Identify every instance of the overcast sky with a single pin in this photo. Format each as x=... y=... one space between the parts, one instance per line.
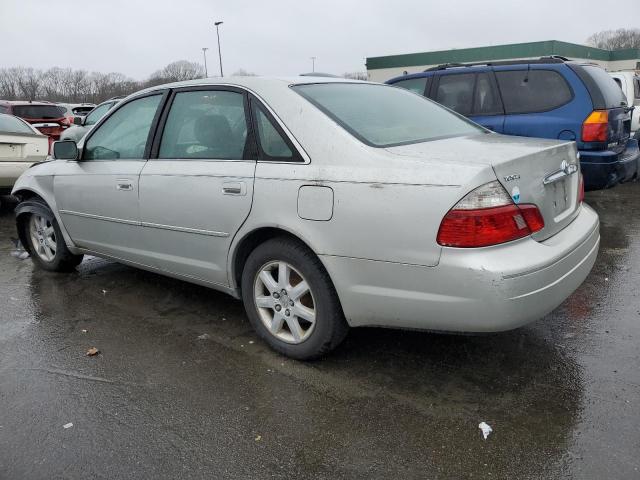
x=278 y=37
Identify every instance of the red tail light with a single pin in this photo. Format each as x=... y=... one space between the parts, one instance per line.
x=498 y=221
x=596 y=127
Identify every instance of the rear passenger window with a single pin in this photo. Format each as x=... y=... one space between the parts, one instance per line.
x=636 y=88
x=205 y=124
x=271 y=142
x=416 y=85
x=486 y=100
x=456 y=92
x=528 y=91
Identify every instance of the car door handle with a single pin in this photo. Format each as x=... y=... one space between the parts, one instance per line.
x=234 y=188
x=125 y=185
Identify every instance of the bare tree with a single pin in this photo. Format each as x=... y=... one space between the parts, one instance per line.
x=8 y=83
x=616 y=39
x=356 y=75
x=243 y=73
x=52 y=83
x=179 y=71
x=29 y=82
x=74 y=86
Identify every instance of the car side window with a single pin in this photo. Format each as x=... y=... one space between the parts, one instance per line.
x=415 y=85
x=272 y=144
x=4 y=109
x=486 y=101
x=529 y=91
x=97 y=113
x=636 y=88
x=456 y=92
x=125 y=133
x=205 y=124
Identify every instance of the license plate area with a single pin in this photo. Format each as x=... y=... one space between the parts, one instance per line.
x=10 y=151
x=559 y=194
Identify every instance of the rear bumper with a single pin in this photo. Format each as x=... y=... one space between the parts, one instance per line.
x=604 y=169
x=9 y=173
x=471 y=290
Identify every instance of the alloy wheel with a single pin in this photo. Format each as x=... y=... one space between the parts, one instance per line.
x=285 y=302
x=43 y=237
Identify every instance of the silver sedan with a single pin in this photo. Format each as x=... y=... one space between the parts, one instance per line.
x=323 y=204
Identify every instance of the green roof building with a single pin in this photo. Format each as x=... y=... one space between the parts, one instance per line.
x=380 y=69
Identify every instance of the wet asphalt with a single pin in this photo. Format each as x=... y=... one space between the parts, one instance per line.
x=183 y=388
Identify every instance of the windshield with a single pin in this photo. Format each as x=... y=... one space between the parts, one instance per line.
x=11 y=124
x=39 y=111
x=384 y=116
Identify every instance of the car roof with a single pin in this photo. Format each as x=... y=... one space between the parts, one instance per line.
x=554 y=60
x=253 y=83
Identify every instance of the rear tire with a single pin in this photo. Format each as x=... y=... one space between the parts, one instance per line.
x=291 y=301
x=43 y=238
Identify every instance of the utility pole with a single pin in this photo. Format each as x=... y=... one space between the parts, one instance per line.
x=204 y=54
x=217 y=24
x=313 y=64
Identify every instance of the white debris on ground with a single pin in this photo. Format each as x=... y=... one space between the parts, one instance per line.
x=18 y=250
x=67 y=425
x=204 y=336
x=486 y=429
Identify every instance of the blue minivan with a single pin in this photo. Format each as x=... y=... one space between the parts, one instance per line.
x=551 y=97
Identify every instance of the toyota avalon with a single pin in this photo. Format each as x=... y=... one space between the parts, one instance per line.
x=323 y=204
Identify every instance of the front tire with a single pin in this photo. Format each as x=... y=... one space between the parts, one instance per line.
x=291 y=301
x=43 y=239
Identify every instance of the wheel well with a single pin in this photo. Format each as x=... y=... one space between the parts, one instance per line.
x=251 y=241
x=23 y=195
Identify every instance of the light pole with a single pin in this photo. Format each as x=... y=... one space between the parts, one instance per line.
x=313 y=64
x=204 y=54
x=217 y=24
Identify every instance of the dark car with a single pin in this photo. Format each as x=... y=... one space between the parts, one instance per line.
x=48 y=118
x=548 y=98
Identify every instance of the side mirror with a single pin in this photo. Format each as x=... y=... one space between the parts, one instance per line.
x=78 y=120
x=65 y=150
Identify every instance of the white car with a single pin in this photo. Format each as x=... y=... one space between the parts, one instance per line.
x=630 y=84
x=20 y=146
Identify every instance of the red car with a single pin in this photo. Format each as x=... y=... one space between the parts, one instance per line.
x=48 y=118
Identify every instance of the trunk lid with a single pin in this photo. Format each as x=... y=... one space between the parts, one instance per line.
x=550 y=179
x=534 y=171
x=22 y=147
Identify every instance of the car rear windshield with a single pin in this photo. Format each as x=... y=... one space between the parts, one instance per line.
x=604 y=90
x=38 y=111
x=11 y=124
x=384 y=116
